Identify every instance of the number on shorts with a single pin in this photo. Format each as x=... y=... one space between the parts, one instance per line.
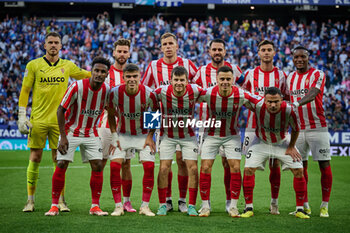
x=249 y=153
x=246 y=141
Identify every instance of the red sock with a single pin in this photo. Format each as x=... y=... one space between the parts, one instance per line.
x=162 y=195
x=248 y=187
x=204 y=185
x=275 y=181
x=96 y=182
x=227 y=182
x=148 y=180
x=58 y=179
x=326 y=183
x=193 y=195
x=115 y=181
x=299 y=188
x=126 y=186
x=170 y=179
x=306 y=176
x=236 y=183
x=183 y=183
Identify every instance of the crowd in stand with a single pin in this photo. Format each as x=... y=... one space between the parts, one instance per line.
x=21 y=40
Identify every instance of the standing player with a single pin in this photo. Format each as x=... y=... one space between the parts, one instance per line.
x=159 y=73
x=305 y=87
x=48 y=78
x=273 y=119
x=131 y=100
x=85 y=101
x=121 y=53
x=177 y=102
x=206 y=77
x=257 y=80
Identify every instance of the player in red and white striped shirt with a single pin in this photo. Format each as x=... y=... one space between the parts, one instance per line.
x=256 y=81
x=85 y=100
x=159 y=73
x=121 y=53
x=224 y=105
x=206 y=77
x=131 y=100
x=177 y=105
x=305 y=87
x=273 y=119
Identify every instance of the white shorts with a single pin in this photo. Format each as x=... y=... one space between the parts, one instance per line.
x=230 y=147
x=316 y=141
x=248 y=138
x=188 y=146
x=106 y=140
x=201 y=136
x=131 y=143
x=90 y=148
x=259 y=152
x=178 y=147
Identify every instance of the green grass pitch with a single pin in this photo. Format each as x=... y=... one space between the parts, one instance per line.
x=13 y=197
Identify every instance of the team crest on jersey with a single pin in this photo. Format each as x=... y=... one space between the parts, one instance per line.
x=307 y=82
x=62 y=70
x=276 y=82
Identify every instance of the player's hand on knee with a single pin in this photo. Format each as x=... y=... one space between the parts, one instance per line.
x=63 y=145
x=149 y=142
x=23 y=122
x=294 y=154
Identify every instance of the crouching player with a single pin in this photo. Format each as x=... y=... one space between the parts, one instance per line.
x=178 y=101
x=85 y=101
x=224 y=104
x=130 y=100
x=273 y=118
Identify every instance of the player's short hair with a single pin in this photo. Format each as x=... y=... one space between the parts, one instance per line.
x=266 y=42
x=300 y=47
x=122 y=42
x=166 y=35
x=217 y=40
x=224 y=69
x=101 y=60
x=179 y=71
x=54 y=34
x=131 y=68
x=273 y=91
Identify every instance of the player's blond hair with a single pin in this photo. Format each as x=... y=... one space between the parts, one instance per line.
x=167 y=35
x=122 y=42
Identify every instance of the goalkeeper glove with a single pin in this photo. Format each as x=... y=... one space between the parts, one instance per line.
x=23 y=122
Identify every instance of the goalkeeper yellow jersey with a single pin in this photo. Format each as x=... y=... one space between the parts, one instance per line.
x=49 y=82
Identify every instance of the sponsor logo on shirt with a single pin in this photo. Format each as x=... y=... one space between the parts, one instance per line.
x=300 y=92
x=52 y=80
x=91 y=112
x=131 y=115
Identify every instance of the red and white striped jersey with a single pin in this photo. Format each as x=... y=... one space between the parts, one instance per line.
x=311 y=115
x=225 y=109
x=256 y=81
x=130 y=108
x=115 y=77
x=177 y=109
x=273 y=127
x=158 y=72
x=206 y=77
x=84 y=107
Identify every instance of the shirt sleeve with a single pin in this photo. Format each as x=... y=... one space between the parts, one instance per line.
x=70 y=96
x=197 y=78
x=192 y=71
x=148 y=79
x=319 y=80
x=293 y=122
x=29 y=75
x=78 y=73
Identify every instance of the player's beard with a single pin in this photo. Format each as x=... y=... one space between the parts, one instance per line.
x=53 y=53
x=217 y=61
x=121 y=61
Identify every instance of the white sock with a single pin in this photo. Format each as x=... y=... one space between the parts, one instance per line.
x=205 y=204
x=324 y=205
x=182 y=199
x=306 y=205
x=30 y=197
x=249 y=205
x=144 y=204
x=161 y=204
x=94 y=205
x=168 y=198
x=274 y=201
x=234 y=203
x=54 y=205
x=126 y=199
x=300 y=208
x=119 y=204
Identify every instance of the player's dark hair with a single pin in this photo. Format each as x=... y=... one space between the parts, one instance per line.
x=179 y=71
x=217 y=40
x=166 y=35
x=131 y=68
x=101 y=60
x=300 y=47
x=122 y=42
x=54 y=34
x=266 y=42
x=273 y=91
x=224 y=69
